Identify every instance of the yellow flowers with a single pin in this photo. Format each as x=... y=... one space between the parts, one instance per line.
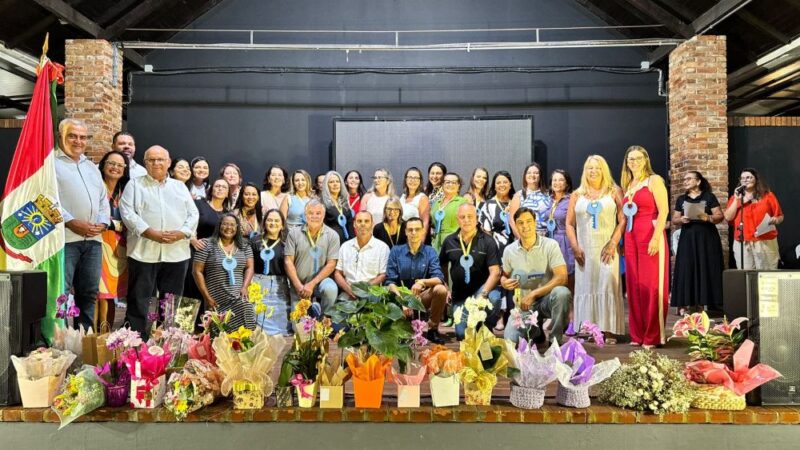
x=241 y=334
x=255 y=293
x=301 y=310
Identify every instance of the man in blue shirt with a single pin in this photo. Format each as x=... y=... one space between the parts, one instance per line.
x=416 y=266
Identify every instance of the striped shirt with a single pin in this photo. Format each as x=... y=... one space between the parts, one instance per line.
x=228 y=296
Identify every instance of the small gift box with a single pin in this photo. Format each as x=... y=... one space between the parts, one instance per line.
x=526 y=397
x=444 y=390
x=368 y=378
x=331 y=397
x=148 y=393
x=574 y=397
x=306 y=394
x=718 y=397
x=475 y=394
x=39 y=393
x=408 y=396
x=247 y=395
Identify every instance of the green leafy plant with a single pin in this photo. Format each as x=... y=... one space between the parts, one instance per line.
x=375 y=319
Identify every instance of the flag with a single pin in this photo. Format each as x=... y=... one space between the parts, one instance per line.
x=32 y=226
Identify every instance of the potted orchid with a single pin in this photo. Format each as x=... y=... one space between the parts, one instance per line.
x=408 y=383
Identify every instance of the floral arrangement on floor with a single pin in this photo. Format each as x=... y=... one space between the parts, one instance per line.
x=176 y=341
x=476 y=308
x=40 y=374
x=443 y=366
x=302 y=364
x=485 y=358
x=147 y=366
x=577 y=372
x=215 y=323
x=648 y=382
x=82 y=393
x=195 y=386
x=70 y=339
x=415 y=371
x=530 y=374
x=116 y=380
x=720 y=369
x=245 y=358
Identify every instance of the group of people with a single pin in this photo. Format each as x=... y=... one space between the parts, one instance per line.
x=546 y=250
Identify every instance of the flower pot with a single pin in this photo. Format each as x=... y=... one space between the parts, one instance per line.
x=473 y=395
x=573 y=397
x=408 y=396
x=526 y=397
x=369 y=394
x=117 y=395
x=717 y=396
x=39 y=393
x=331 y=397
x=283 y=397
x=306 y=395
x=148 y=393
x=247 y=395
x=444 y=390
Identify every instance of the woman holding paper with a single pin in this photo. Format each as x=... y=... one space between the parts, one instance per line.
x=697 y=280
x=754 y=210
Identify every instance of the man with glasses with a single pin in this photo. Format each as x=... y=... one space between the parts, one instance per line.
x=161 y=217
x=86 y=213
x=123 y=141
x=361 y=259
x=416 y=266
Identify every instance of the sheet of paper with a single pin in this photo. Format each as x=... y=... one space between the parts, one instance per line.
x=764 y=227
x=694 y=211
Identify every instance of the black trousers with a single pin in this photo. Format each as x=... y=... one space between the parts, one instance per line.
x=149 y=281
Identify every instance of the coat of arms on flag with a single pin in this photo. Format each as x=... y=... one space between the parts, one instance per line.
x=30 y=223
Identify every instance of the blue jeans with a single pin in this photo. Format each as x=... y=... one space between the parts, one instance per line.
x=82 y=266
x=324 y=294
x=554 y=306
x=492 y=316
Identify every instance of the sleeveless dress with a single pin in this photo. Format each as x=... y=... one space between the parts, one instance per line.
x=598 y=291
x=375 y=207
x=540 y=203
x=114 y=269
x=411 y=209
x=296 y=212
x=697 y=279
x=560 y=233
x=647 y=298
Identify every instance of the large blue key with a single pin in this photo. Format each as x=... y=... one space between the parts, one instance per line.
x=466 y=262
x=266 y=255
x=439 y=217
x=343 y=223
x=551 y=227
x=594 y=209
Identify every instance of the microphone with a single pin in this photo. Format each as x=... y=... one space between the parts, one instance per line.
x=739 y=190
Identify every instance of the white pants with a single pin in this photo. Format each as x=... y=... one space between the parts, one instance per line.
x=758 y=255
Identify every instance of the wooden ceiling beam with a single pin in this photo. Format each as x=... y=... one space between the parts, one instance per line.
x=64 y=11
x=764 y=27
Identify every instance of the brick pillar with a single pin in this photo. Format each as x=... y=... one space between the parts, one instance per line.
x=698 y=136
x=93 y=91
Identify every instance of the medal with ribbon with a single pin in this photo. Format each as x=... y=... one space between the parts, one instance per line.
x=551 y=221
x=315 y=250
x=342 y=220
x=466 y=259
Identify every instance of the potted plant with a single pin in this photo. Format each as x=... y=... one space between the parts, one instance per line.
x=304 y=361
x=377 y=328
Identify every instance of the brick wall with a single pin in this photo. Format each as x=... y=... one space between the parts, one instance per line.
x=93 y=90
x=746 y=121
x=698 y=138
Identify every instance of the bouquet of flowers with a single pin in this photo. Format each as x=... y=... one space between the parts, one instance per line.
x=195 y=386
x=408 y=383
x=443 y=365
x=66 y=307
x=176 y=341
x=123 y=339
x=485 y=358
x=531 y=373
x=201 y=348
x=720 y=367
x=82 y=393
x=40 y=374
x=708 y=341
x=649 y=382
x=577 y=371
x=245 y=359
x=215 y=323
x=303 y=323
x=147 y=365
x=476 y=308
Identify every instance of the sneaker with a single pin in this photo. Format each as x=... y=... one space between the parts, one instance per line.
x=434 y=337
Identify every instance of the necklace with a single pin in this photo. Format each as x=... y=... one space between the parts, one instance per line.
x=396 y=237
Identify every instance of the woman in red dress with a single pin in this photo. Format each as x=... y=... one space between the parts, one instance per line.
x=646 y=209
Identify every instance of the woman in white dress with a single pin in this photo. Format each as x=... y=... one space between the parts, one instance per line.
x=382 y=190
x=415 y=202
x=595 y=224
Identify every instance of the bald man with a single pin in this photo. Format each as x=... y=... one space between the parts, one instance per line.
x=160 y=216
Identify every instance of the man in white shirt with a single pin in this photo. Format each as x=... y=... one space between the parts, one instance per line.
x=361 y=259
x=84 y=206
x=161 y=217
x=123 y=141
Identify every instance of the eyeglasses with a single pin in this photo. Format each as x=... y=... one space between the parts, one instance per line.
x=156 y=161
x=380 y=177
x=393 y=209
x=116 y=165
x=412 y=178
x=635 y=158
x=450 y=182
x=77 y=137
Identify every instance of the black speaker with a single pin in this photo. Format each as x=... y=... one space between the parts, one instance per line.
x=23 y=301
x=772 y=303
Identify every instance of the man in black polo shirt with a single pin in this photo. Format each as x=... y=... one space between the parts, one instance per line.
x=474 y=266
